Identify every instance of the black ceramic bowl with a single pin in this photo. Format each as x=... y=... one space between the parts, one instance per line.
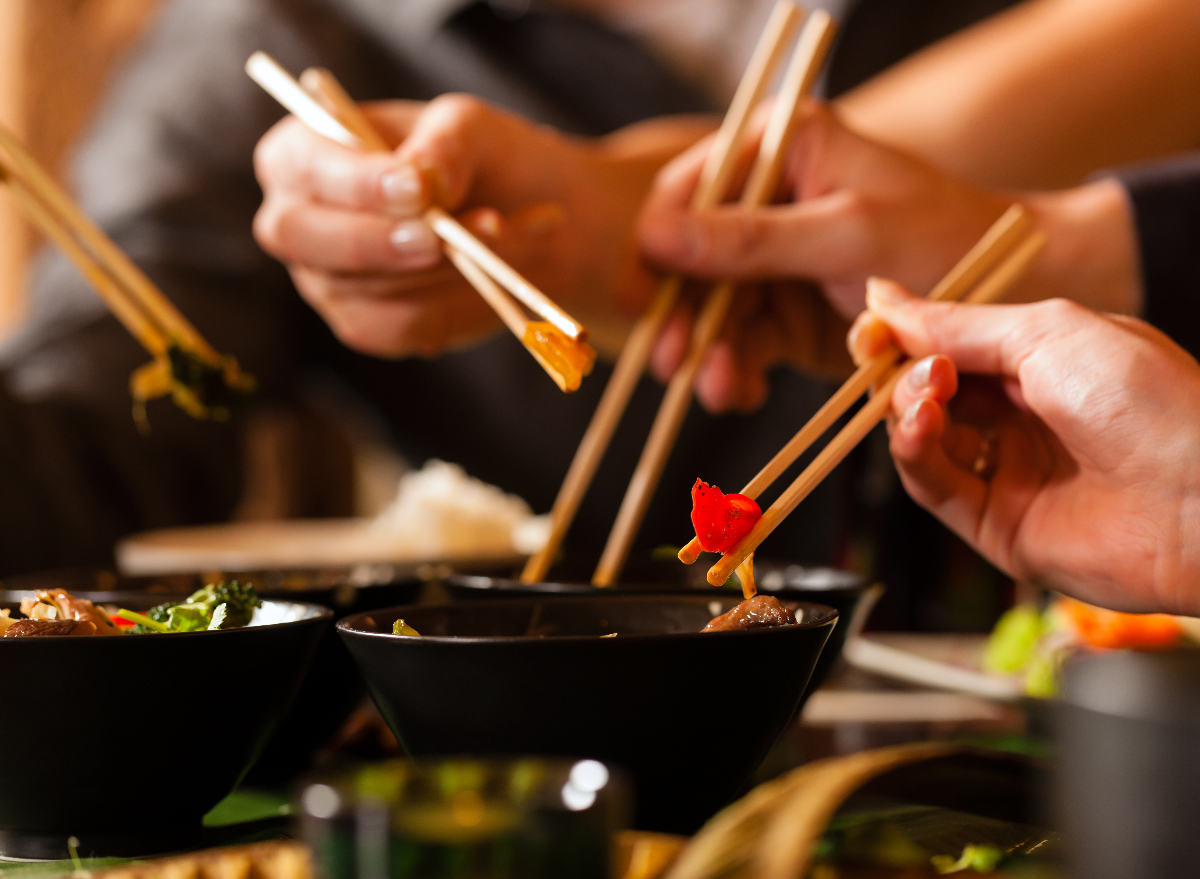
x=690 y=715
x=788 y=581
x=331 y=689
x=125 y=742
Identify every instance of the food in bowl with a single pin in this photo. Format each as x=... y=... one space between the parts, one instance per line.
x=58 y=613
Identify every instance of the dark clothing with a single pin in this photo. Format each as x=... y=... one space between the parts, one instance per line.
x=1165 y=197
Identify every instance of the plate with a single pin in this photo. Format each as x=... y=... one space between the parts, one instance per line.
x=952 y=661
x=287 y=543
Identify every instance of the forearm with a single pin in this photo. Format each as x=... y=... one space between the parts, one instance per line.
x=1043 y=95
x=1091 y=253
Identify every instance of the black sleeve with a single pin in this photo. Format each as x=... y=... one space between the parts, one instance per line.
x=1166 y=209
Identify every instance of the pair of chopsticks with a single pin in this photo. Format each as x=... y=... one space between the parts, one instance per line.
x=136 y=302
x=319 y=101
x=806 y=61
x=710 y=191
x=984 y=275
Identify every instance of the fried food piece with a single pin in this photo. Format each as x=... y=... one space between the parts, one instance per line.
x=567 y=360
x=761 y=611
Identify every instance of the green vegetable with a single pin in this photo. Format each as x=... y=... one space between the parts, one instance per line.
x=402 y=628
x=219 y=616
x=145 y=623
x=980 y=858
x=1041 y=677
x=1012 y=644
x=241 y=601
x=188 y=618
x=216 y=606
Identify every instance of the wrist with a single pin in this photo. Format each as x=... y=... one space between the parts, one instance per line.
x=1091 y=254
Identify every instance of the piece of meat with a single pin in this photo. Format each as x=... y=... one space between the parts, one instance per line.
x=68 y=607
x=758 y=612
x=49 y=628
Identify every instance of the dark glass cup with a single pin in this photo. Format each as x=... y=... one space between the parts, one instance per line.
x=1128 y=785
x=465 y=818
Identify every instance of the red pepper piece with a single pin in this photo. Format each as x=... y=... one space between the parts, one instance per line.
x=721 y=520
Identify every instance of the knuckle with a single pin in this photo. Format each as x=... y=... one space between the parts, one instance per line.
x=265 y=228
x=459 y=107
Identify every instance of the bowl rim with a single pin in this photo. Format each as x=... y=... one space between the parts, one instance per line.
x=323 y=614
x=585 y=590
x=830 y=617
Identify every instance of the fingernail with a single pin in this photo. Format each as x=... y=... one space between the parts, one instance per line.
x=402 y=190
x=413 y=239
x=852 y=340
x=486 y=223
x=882 y=293
x=912 y=413
x=918 y=376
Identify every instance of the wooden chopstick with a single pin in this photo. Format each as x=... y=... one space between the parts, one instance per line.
x=999 y=240
x=126 y=309
x=635 y=354
x=134 y=299
x=991 y=288
x=806 y=62
x=279 y=84
x=325 y=88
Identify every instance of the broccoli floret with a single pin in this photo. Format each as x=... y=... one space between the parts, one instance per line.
x=216 y=606
x=240 y=601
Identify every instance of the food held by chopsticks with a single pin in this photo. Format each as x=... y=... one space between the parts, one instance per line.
x=569 y=358
x=202 y=382
x=721 y=520
x=558 y=342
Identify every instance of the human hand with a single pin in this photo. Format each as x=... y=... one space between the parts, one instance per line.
x=853 y=208
x=850 y=208
x=1068 y=454
x=349 y=225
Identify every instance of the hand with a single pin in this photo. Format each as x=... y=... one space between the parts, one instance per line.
x=772 y=323
x=853 y=208
x=1068 y=455
x=348 y=224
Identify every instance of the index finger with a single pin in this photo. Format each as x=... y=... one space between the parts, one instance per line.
x=293 y=157
x=981 y=339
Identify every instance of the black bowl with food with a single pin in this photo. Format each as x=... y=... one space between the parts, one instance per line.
x=332 y=687
x=834 y=587
x=125 y=741
x=629 y=680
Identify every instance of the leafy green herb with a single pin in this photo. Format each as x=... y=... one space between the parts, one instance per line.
x=216 y=606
